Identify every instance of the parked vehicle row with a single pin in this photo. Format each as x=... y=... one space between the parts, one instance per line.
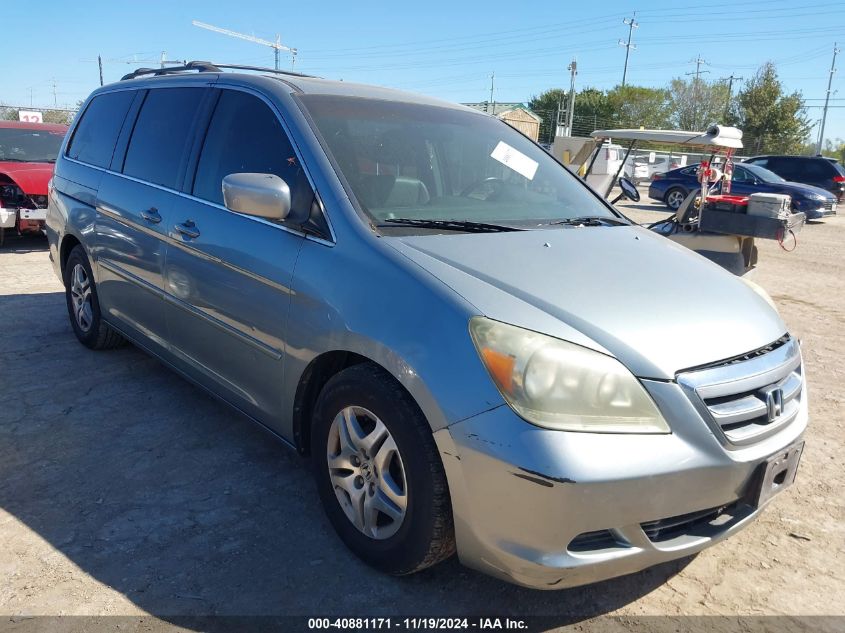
x=817 y=171
x=27 y=154
x=673 y=187
x=640 y=169
x=458 y=331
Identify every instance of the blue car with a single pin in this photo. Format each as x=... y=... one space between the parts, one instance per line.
x=673 y=186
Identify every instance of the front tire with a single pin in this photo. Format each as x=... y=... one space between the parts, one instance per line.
x=83 y=306
x=379 y=474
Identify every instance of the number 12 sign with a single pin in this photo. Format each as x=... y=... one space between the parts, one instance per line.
x=30 y=116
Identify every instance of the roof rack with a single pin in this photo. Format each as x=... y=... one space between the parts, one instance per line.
x=264 y=70
x=195 y=65
x=205 y=67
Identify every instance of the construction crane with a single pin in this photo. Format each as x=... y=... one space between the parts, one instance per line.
x=276 y=46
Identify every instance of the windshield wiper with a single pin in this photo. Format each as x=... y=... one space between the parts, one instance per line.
x=592 y=220
x=448 y=225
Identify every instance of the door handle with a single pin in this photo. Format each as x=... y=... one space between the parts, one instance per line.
x=188 y=229
x=151 y=215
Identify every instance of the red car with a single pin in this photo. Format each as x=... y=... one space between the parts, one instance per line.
x=27 y=154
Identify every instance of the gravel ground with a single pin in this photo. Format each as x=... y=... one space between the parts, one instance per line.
x=126 y=491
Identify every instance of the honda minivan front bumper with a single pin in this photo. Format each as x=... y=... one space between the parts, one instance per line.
x=551 y=509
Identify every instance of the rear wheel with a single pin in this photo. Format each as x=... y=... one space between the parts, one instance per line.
x=379 y=474
x=674 y=198
x=83 y=305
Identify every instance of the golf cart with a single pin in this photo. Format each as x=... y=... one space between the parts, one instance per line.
x=717 y=225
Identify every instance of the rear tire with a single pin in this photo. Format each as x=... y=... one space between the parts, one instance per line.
x=674 y=198
x=412 y=526
x=83 y=306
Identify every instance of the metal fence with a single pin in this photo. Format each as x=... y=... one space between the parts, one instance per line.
x=50 y=115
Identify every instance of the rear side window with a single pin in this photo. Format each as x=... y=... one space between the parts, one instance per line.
x=160 y=141
x=96 y=134
x=785 y=168
x=817 y=169
x=246 y=136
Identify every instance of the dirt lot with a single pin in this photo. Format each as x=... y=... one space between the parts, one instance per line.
x=125 y=490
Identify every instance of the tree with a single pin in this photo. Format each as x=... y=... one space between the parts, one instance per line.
x=696 y=103
x=545 y=105
x=636 y=106
x=832 y=149
x=593 y=111
x=772 y=121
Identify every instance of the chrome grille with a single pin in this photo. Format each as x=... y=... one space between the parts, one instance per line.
x=750 y=399
x=828 y=205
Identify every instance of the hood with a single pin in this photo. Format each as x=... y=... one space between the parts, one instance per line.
x=802 y=189
x=31 y=177
x=653 y=304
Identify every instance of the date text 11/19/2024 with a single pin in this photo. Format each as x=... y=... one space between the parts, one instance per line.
x=421 y=623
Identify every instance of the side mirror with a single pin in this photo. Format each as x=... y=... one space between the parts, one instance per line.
x=262 y=195
x=629 y=190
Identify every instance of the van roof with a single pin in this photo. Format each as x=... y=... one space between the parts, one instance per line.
x=296 y=82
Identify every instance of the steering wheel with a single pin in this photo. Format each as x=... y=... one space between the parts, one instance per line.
x=498 y=182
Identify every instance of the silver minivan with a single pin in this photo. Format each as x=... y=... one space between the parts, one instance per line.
x=477 y=352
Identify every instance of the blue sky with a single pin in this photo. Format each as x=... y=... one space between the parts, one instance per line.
x=446 y=49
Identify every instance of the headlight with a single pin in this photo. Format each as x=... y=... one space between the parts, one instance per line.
x=559 y=385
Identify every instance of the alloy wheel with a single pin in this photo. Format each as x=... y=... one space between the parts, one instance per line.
x=367 y=472
x=675 y=199
x=80 y=291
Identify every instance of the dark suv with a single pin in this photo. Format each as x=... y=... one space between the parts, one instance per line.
x=809 y=170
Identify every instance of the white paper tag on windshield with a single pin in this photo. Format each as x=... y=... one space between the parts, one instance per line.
x=516 y=160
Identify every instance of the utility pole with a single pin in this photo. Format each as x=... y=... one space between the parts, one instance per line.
x=632 y=24
x=698 y=62
x=573 y=70
x=827 y=99
x=55 y=100
x=730 y=81
x=557 y=131
x=490 y=106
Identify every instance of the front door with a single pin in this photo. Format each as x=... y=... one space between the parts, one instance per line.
x=228 y=276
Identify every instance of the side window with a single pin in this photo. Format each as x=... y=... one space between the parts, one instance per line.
x=785 y=168
x=96 y=135
x=742 y=175
x=245 y=136
x=817 y=169
x=161 y=138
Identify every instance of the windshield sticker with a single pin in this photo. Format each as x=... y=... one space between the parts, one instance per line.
x=516 y=160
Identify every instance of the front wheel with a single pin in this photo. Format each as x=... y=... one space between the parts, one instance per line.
x=379 y=474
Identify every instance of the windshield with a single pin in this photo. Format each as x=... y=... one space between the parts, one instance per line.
x=405 y=160
x=29 y=146
x=762 y=173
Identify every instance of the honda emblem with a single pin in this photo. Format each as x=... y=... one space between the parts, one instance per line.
x=774 y=403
